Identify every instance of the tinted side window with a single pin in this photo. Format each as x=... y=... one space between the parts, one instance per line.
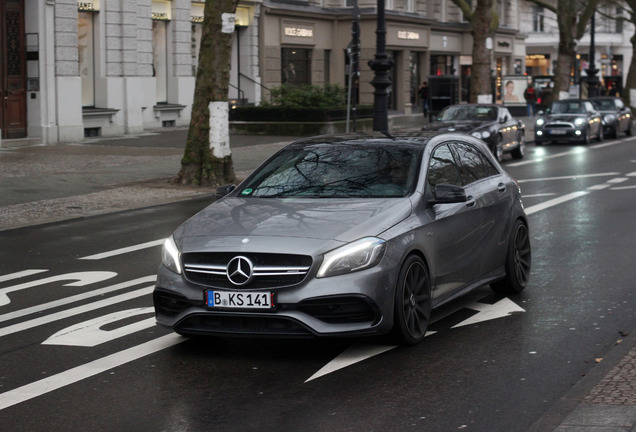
x=472 y=166
x=442 y=168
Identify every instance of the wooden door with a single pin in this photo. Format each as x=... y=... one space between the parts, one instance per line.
x=12 y=69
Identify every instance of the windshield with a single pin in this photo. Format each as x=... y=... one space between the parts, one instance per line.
x=468 y=113
x=338 y=170
x=564 y=107
x=604 y=104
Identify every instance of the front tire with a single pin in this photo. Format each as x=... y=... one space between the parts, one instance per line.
x=518 y=261
x=600 y=135
x=412 y=302
x=498 y=148
x=520 y=151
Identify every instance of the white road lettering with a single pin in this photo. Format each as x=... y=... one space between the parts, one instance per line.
x=82 y=278
x=68 y=300
x=89 y=333
x=71 y=376
x=18 y=275
x=124 y=250
x=75 y=311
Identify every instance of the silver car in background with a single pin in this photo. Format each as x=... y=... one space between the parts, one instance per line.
x=347 y=235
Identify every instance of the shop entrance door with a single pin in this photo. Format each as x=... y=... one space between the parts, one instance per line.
x=12 y=70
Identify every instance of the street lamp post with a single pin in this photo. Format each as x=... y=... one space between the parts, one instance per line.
x=381 y=81
x=592 y=80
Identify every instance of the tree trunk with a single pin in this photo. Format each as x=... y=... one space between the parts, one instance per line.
x=481 y=29
x=567 y=20
x=207 y=160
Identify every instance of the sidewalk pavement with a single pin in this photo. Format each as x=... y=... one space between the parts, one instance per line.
x=41 y=184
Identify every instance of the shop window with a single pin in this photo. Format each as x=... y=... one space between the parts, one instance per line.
x=160 y=59
x=295 y=66
x=85 y=35
x=442 y=65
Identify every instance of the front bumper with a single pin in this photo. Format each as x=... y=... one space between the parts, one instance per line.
x=359 y=303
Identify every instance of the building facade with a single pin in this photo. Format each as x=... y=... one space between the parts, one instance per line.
x=613 y=49
x=74 y=69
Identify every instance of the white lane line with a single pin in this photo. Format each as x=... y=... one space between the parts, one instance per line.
x=570 y=177
x=124 y=250
x=618 y=180
x=67 y=300
x=623 y=187
x=21 y=274
x=71 y=376
x=555 y=201
x=539 y=195
x=75 y=311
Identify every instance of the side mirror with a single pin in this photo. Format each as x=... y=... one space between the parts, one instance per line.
x=448 y=194
x=221 y=191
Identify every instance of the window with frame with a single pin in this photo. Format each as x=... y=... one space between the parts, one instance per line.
x=442 y=168
x=85 y=36
x=295 y=66
x=473 y=166
x=538 y=17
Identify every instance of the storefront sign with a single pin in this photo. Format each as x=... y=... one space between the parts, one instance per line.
x=88 y=6
x=161 y=10
x=297 y=33
x=409 y=35
x=196 y=12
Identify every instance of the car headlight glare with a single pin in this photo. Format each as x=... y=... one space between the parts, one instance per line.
x=540 y=122
x=476 y=134
x=170 y=255
x=579 y=121
x=359 y=255
x=485 y=134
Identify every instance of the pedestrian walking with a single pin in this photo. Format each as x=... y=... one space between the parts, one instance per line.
x=423 y=92
x=531 y=100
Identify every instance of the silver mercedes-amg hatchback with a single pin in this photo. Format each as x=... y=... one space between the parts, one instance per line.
x=347 y=235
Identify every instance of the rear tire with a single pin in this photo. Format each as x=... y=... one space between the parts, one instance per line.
x=412 y=310
x=518 y=261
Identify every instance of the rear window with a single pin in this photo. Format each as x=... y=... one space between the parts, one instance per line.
x=338 y=170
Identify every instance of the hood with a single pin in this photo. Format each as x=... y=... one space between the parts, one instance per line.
x=458 y=126
x=568 y=118
x=263 y=221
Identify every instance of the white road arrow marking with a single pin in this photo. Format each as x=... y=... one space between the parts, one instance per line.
x=502 y=308
x=89 y=333
x=353 y=354
x=82 y=279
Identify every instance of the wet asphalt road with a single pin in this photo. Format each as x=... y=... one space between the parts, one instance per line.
x=499 y=374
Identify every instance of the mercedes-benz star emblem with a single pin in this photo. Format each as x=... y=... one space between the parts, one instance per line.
x=240 y=270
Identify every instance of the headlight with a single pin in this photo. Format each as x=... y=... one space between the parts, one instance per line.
x=359 y=255
x=609 y=118
x=170 y=255
x=579 y=121
x=540 y=122
x=481 y=135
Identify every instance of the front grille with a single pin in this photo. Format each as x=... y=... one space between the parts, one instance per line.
x=269 y=270
x=245 y=325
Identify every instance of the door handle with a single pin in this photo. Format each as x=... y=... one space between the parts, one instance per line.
x=470 y=201
x=501 y=187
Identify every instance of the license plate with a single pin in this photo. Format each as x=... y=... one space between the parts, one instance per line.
x=557 y=132
x=240 y=300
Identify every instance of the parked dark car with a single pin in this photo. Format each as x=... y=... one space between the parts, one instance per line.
x=347 y=235
x=568 y=120
x=492 y=123
x=617 y=117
